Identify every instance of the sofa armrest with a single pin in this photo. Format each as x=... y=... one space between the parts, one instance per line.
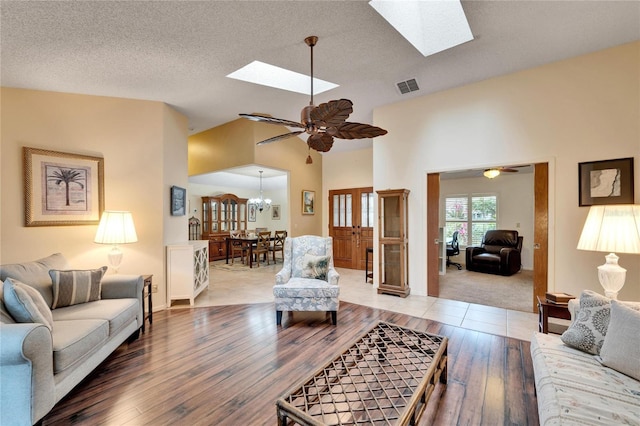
x=471 y=251
x=26 y=368
x=122 y=286
x=510 y=260
x=283 y=276
x=333 y=276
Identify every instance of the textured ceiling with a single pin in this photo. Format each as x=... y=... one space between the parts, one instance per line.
x=179 y=52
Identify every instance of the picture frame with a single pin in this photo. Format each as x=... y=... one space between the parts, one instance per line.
x=308 y=202
x=178 y=201
x=62 y=188
x=252 y=212
x=605 y=182
x=275 y=212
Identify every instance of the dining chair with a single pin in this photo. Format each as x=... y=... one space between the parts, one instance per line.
x=262 y=246
x=278 y=244
x=238 y=246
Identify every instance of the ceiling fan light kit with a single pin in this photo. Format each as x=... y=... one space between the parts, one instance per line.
x=322 y=123
x=491 y=173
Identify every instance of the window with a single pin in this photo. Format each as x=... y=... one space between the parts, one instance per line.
x=477 y=213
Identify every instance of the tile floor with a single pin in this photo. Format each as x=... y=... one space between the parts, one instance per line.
x=255 y=286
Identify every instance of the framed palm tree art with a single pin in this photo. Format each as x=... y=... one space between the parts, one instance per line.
x=62 y=188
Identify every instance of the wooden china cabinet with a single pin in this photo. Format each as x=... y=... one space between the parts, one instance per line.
x=221 y=215
x=393 y=242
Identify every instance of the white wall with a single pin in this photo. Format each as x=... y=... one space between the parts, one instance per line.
x=582 y=109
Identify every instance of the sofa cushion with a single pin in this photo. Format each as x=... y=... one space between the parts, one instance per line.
x=573 y=388
x=71 y=287
x=25 y=303
x=74 y=341
x=621 y=348
x=588 y=329
x=315 y=266
x=5 y=316
x=36 y=273
x=306 y=287
x=118 y=312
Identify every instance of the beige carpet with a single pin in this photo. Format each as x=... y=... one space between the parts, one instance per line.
x=514 y=292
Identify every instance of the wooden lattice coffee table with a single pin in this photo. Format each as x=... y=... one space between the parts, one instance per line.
x=384 y=377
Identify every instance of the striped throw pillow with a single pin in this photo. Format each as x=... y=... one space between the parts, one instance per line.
x=76 y=286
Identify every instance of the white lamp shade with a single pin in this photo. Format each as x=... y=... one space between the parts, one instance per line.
x=612 y=228
x=116 y=228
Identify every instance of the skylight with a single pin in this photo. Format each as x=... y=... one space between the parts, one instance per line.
x=430 y=26
x=269 y=75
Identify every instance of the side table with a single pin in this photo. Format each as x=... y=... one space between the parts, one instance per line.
x=553 y=310
x=368 y=274
x=147 y=290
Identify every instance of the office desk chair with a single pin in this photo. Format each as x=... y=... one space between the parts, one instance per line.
x=453 y=249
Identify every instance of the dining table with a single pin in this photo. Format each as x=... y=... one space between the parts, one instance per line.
x=249 y=242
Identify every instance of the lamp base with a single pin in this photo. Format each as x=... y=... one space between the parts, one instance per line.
x=611 y=276
x=115 y=258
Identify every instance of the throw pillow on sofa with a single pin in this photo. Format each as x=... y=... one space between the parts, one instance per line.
x=76 y=286
x=621 y=348
x=587 y=331
x=26 y=304
x=315 y=266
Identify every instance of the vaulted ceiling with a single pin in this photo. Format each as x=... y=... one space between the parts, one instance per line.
x=179 y=52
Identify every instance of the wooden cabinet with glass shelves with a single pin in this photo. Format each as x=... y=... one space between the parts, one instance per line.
x=393 y=242
x=222 y=214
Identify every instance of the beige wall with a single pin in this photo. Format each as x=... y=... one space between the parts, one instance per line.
x=581 y=109
x=141 y=143
x=343 y=170
x=236 y=144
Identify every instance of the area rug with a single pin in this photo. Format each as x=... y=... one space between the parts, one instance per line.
x=514 y=292
x=236 y=266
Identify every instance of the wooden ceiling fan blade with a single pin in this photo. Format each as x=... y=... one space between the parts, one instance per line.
x=332 y=113
x=280 y=137
x=356 y=131
x=321 y=142
x=271 y=120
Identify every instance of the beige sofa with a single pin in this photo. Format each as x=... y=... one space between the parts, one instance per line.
x=39 y=366
x=589 y=376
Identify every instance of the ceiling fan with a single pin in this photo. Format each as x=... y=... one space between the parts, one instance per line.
x=495 y=171
x=323 y=122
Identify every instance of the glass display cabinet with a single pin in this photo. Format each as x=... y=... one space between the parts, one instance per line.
x=393 y=242
x=220 y=215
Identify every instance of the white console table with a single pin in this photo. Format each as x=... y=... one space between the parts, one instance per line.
x=187 y=270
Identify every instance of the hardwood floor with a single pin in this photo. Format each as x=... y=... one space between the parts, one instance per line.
x=227 y=365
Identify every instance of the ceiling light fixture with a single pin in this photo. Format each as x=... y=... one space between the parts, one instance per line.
x=271 y=76
x=491 y=173
x=430 y=26
x=261 y=202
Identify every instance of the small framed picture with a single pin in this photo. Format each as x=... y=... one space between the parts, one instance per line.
x=606 y=182
x=308 y=202
x=275 y=212
x=178 y=201
x=253 y=210
x=62 y=188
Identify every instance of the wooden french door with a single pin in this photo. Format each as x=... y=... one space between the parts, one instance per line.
x=351 y=226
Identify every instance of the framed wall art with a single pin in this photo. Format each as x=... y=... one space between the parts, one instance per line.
x=178 y=201
x=308 y=202
x=252 y=211
x=606 y=182
x=275 y=212
x=62 y=188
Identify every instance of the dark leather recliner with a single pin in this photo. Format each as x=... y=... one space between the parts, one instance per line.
x=499 y=253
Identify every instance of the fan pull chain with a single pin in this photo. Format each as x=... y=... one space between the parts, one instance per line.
x=309 y=159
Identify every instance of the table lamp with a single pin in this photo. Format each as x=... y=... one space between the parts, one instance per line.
x=116 y=228
x=612 y=228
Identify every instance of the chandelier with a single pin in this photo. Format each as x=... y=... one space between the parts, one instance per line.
x=261 y=202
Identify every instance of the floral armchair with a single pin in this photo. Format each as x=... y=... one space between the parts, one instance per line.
x=308 y=280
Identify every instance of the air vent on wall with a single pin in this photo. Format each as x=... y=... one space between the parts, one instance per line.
x=408 y=86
